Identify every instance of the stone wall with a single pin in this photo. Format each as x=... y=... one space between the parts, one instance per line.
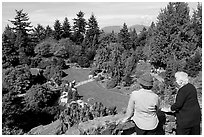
x=104 y=126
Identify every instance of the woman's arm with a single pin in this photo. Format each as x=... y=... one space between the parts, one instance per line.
x=129 y=110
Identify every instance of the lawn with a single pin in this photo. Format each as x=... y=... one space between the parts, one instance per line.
x=96 y=91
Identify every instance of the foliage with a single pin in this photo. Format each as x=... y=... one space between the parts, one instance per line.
x=193 y=65
x=48 y=31
x=55 y=73
x=83 y=62
x=44 y=48
x=124 y=38
x=35 y=61
x=74 y=114
x=66 y=29
x=9 y=53
x=11 y=110
x=39 y=33
x=172 y=35
x=17 y=79
x=111 y=83
x=197 y=24
x=57 y=33
x=21 y=29
x=92 y=34
x=39 y=97
x=79 y=28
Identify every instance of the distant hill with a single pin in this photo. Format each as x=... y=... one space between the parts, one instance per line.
x=109 y=29
x=116 y=29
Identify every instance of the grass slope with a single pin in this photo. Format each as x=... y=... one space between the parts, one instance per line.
x=96 y=91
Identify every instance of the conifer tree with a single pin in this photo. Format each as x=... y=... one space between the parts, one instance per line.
x=57 y=33
x=171 y=34
x=21 y=28
x=66 y=28
x=79 y=28
x=39 y=33
x=92 y=32
x=48 y=31
x=133 y=36
x=124 y=37
x=197 y=24
x=9 y=53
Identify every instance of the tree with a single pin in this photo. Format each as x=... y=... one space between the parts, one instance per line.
x=12 y=110
x=21 y=28
x=44 y=48
x=9 y=53
x=116 y=65
x=197 y=24
x=39 y=97
x=66 y=29
x=48 y=32
x=79 y=28
x=133 y=36
x=57 y=33
x=18 y=79
x=39 y=33
x=194 y=65
x=172 y=34
x=124 y=38
x=92 y=33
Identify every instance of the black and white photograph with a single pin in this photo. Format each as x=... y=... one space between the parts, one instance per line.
x=101 y=67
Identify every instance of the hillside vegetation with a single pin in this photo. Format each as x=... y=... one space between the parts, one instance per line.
x=39 y=63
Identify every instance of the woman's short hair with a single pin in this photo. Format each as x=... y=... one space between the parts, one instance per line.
x=182 y=76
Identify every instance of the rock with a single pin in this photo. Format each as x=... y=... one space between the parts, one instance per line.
x=51 y=129
x=72 y=131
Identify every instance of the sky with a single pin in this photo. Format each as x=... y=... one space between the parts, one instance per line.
x=106 y=13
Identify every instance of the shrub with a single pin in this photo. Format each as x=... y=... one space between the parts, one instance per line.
x=193 y=65
x=44 y=63
x=18 y=79
x=35 y=61
x=44 y=48
x=111 y=83
x=54 y=72
x=83 y=62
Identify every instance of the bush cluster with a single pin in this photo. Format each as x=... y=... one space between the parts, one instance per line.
x=75 y=114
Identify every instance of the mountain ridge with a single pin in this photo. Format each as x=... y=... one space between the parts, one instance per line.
x=117 y=28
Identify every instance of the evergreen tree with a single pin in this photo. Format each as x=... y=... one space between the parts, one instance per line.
x=133 y=36
x=194 y=65
x=116 y=65
x=79 y=28
x=9 y=53
x=66 y=28
x=92 y=33
x=57 y=33
x=197 y=24
x=124 y=37
x=48 y=32
x=39 y=33
x=171 y=35
x=21 y=28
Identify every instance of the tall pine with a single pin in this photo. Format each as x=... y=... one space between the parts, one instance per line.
x=79 y=28
x=22 y=28
x=124 y=37
x=57 y=33
x=66 y=29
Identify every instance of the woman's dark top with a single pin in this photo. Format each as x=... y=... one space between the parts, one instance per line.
x=188 y=113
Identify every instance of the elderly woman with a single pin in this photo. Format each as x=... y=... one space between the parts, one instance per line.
x=186 y=107
x=142 y=107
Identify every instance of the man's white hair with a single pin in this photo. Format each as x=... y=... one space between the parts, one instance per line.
x=182 y=76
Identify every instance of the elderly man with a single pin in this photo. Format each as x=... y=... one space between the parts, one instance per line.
x=186 y=107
